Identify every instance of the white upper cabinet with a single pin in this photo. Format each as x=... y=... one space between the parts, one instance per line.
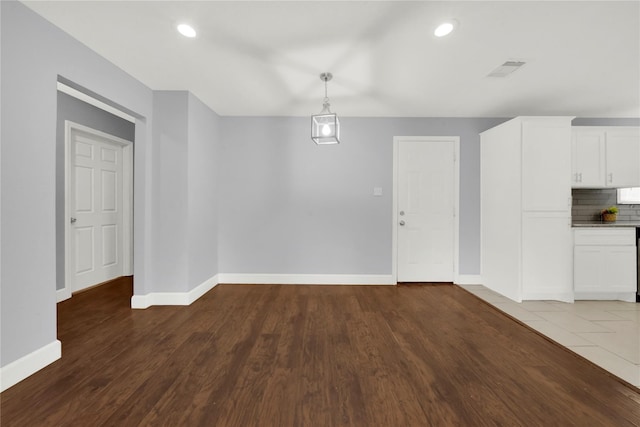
x=605 y=157
x=623 y=157
x=587 y=158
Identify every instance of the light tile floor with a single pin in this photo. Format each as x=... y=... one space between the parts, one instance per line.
x=605 y=332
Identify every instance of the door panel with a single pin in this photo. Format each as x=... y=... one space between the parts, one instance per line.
x=96 y=206
x=109 y=245
x=425 y=227
x=84 y=259
x=84 y=189
x=109 y=155
x=109 y=191
x=84 y=149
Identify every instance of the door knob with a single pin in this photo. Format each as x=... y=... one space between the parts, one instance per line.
x=401 y=222
x=73 y=220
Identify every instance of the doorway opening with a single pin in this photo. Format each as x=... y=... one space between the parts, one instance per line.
x=98 y=207
x=102 y=134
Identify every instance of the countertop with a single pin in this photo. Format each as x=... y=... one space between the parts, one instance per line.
x=607 y=224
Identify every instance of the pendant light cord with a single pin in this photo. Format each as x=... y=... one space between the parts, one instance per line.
x=326 y=97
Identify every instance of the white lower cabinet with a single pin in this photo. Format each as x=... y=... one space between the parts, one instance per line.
x=604 y=264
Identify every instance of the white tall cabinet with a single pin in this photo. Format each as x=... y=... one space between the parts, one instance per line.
x=527 y=242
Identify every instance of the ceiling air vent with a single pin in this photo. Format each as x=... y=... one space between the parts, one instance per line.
x=506 y=69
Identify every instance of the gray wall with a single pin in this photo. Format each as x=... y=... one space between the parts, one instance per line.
x=34 y=55
x=288 y=206
x=170 y=195
x=204 y=129
x=186 y=137
x=70 y=108
x=591 y=121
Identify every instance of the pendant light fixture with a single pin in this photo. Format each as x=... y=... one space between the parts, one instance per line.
x=325 y=126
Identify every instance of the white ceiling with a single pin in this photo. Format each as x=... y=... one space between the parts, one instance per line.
x=264 y=57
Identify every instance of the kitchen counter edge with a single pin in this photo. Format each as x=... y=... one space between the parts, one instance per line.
x=629 y=224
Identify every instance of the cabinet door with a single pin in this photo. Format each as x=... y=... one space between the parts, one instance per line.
x=547 y=257
x=587 y=158
x=588 y=268
x=546 y=162
x=623 y=157
x=619 y=269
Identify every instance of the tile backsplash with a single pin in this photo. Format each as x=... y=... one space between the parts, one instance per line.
x=587 y=205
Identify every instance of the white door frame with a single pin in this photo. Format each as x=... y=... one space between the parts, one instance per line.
x=456 y=199
x=127 y=202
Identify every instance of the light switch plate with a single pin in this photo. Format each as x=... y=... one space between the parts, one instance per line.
x=377 y=191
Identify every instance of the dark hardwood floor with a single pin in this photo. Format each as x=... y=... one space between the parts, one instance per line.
x=266 y=355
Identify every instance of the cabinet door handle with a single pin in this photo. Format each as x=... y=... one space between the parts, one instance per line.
x=580 y=177
x=610 y=178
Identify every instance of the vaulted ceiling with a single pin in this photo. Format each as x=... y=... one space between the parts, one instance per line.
x=263 y=58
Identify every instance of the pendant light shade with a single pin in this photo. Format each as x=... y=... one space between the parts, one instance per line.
x=325 y=126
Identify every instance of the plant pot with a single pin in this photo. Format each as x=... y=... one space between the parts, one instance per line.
x=609 y=217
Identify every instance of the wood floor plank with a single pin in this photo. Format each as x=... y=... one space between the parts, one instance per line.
x=272 y=355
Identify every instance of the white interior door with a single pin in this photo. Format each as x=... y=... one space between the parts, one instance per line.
x=95 y=209
x=425 y=210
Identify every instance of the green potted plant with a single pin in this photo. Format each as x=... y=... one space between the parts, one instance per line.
x=609 y=214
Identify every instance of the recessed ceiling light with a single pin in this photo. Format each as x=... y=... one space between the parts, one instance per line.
x=444 y=29
x=186 y=30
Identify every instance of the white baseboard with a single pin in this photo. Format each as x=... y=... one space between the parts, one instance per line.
x=62 y=294
x=202 y=288
x=548 y=296
x=605 y=296
x=187 y=298
x=141 y=301
x=20 y=369
x=308 y=279
x=468 y=279
x=174 y=298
